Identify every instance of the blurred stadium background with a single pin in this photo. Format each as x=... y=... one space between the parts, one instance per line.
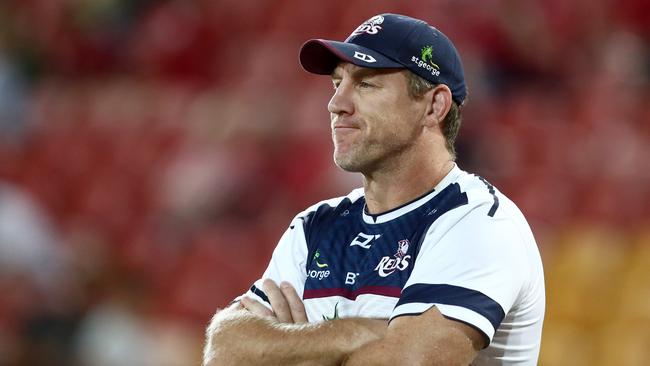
x=152 y=152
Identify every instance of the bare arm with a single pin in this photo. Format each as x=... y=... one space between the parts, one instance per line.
x=253 y=334
x=425 y=339
x=239 y=337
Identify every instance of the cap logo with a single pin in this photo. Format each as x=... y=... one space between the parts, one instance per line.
x=370 y=26
x=425 y=61
x=427 y=56
x=363 y=57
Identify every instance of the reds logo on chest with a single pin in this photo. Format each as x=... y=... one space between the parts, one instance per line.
x=398 y=262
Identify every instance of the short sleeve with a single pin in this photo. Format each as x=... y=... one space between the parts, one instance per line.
x=287 y=262
x=472 y=272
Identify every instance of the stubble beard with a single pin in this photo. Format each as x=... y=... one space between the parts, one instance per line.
x=367 y=157
x=354 y=161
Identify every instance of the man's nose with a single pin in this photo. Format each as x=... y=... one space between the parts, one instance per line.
x=341 y=102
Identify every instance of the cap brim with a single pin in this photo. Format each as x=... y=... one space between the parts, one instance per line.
x=320 y=56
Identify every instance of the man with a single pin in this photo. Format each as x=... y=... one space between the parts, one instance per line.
x=427 y=264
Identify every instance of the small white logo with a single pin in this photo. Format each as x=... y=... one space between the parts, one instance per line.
x=363 y=240
x=402 y=247
x=427 y=66
x=388 y=265
x=399 y=261
x=363 y=57
x=370 y=26
x=351 y=278
x=318 y=275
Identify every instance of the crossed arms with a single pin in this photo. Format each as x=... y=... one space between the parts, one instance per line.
x=248 y=333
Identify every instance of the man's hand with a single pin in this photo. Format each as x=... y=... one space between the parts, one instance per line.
x=249 y=333
x=287 y=305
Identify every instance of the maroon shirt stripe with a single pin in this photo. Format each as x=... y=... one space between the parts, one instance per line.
x=391 y=291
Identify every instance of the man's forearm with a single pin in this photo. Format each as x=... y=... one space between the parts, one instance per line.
x=238 y=337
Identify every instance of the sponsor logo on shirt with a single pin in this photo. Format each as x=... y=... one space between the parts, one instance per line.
x=319 y=274
x=398 y=262
x=334 y=316
x=316 y=256
x=351 y=278
x=364 y=240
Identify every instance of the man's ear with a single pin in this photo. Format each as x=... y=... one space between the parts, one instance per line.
x=438 y=104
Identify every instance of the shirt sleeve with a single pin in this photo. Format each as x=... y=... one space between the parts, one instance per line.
x=287 y=263
x=472 y=272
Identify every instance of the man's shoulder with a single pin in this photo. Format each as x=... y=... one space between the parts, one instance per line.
x=332 y=204
x=482 y=193
x=472 y=182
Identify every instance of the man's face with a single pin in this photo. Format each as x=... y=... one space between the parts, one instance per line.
x=374 y=120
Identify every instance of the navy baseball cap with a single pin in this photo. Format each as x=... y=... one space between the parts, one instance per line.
x=392 y=41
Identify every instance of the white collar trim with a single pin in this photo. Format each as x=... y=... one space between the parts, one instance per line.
x=397 y=212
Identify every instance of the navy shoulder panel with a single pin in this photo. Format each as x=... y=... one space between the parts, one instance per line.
x=321 y=219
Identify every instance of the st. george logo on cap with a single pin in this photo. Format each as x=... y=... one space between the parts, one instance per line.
x=392 y=41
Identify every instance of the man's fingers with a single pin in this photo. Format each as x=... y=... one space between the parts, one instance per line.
x=278 y=302
x=296 y=306
x=255 y=307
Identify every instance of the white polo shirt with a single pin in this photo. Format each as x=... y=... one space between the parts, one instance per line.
x=464 y=247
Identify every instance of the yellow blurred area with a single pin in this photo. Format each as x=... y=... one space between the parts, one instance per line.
x=598 y=298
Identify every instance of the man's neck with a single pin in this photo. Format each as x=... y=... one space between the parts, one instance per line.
x=386 y=191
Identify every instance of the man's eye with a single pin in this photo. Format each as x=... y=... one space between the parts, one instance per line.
x=335 y=85
x=365 y=84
